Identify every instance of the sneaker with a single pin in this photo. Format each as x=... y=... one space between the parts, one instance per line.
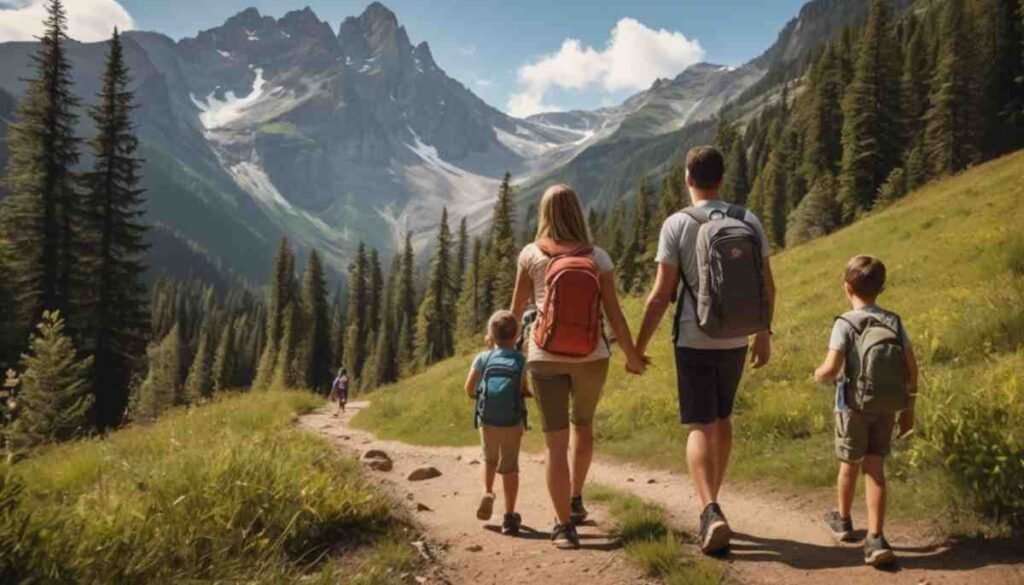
x=511 y=525
x=714 y=530
x=564 y=536
x=486 y=507
x=579 y=514
x=877 y=550
x=841 y=528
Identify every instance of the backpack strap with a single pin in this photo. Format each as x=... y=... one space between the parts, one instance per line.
x=553 y=249
x=737 y=212
x=697 y=214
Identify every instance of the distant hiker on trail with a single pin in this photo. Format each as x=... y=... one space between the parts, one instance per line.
x=873 y=363
x=572 y=283
x=497 y=382
x=339 y=390
x=716 y=253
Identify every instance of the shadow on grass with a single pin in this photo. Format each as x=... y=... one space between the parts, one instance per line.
x=964 y=555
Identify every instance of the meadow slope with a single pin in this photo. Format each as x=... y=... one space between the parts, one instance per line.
x=955 y=255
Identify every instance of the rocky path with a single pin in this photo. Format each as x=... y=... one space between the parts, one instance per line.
x=779 y=538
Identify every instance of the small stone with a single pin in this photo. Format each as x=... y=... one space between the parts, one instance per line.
x=424 y=473
x=474 y=462
x=420 y=507
x=458 y=457
x=652 y=480
x=630 y=480
x=474 y=548
x=409 y=496
x=376 y=454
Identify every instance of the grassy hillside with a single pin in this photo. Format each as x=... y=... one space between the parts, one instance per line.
x=956 y=262
x=230 y=492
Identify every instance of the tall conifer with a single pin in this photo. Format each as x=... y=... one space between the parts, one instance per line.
x=436 y=340
x=316 y=351
x=503 y=247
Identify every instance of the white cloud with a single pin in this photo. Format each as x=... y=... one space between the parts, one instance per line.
x=484 y=83
x=467 y=51
x=88 y=20
x=633 y=58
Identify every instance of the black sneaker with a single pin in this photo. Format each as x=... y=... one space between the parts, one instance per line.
x=564 y=536
x=714 y=530
x=841 y=528
x=579 y=514
x=511 y=525
x=877 y=550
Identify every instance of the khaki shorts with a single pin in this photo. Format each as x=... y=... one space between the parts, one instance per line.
x=501 y=447
x=859 y=434
x=557 y=385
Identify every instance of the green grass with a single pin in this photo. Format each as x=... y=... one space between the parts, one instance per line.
x=956 y=274
x=651 y=543
x=230 y=492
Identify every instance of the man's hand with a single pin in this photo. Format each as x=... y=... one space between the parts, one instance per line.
x=761 y=352
x=471 y=393
x=636 y=365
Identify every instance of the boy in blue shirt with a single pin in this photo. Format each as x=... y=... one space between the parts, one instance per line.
x=863 y=438
x=497 y=383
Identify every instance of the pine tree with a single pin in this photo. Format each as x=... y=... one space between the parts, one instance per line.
x=54 y=398
x=316 y=355
x=914 y=96
x=338 y=330
x=470 y=319
x=115 y=318
x=224 y=361
x=288 y=371
x=736 y=185
x=358 y=331
x=503 y=254
x=949 y=134
x=817 y=215
x=374 y=292
x=633 y=264
x=822 y=145
x=871 y=135
x=281 y=292
x=461 y=254
x=199 y=383
x=406 y=303
x=386 y=354
x=529 y=231
x=162 y=387
x=894 y=188
x=42 y=208
x=435 y=315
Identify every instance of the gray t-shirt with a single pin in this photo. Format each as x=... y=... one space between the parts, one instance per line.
x=844 y=337
x=677 y=246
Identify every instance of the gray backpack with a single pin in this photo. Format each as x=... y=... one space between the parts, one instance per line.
x=730 y=297
x=876 y=371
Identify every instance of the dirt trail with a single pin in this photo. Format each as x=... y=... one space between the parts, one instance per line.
x=779 y=539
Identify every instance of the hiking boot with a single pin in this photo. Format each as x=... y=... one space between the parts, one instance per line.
x=564 y=536
x=579 y=514
x=877 y=550
x=841 y=528
x=486 y=507
x=511 y=525
x=714 y=530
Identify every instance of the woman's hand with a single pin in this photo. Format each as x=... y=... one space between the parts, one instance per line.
x=636 y=364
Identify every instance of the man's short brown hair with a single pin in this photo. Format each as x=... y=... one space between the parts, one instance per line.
x=866 y=276
x=706 y=167
x=503 y=326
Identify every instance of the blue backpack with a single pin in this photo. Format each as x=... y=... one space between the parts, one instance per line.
x=499 y=398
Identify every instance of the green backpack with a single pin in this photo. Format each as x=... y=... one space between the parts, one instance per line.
x=876 y=374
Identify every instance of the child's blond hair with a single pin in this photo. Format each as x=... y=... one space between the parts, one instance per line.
x=502 y=326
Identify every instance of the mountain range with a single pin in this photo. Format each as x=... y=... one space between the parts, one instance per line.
x=268 y=127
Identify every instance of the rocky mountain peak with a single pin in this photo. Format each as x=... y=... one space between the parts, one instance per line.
x=374 y=34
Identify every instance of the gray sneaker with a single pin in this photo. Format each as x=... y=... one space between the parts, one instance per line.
x=564 y=536
x=714 y=530
x=877 y=550
x=841 y=528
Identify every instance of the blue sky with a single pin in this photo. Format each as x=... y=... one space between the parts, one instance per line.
x=517 y=55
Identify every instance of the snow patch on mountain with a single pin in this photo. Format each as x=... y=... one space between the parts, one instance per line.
x=216 y=113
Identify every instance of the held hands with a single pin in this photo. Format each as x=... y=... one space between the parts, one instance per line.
x=636 y=364
x=761 y=351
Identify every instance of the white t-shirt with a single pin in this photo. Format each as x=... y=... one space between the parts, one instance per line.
x=677 y=246
x=535 y=263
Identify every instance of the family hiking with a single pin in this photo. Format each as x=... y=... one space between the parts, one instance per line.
x=713 y=265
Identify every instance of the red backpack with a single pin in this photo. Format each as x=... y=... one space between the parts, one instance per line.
x=570 y=321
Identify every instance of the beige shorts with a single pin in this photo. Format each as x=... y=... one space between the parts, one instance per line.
x=859 y=434
x=501 y=447
x=567 y=392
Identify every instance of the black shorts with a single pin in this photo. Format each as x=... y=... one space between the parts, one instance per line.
x=707 y=380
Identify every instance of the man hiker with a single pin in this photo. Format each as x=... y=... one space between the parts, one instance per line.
x=716 y=254
x=339 y=390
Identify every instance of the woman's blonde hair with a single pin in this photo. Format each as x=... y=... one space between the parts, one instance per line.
x=560 y=217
